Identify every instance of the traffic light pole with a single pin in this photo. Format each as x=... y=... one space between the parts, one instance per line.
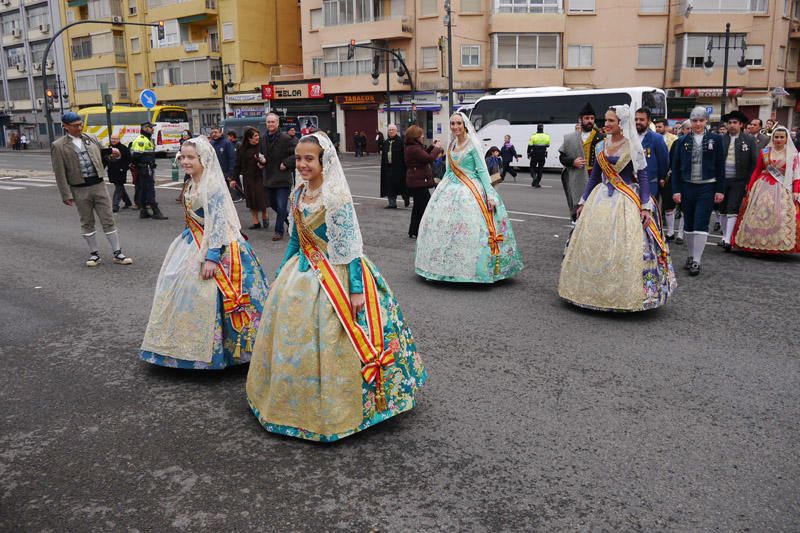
x=47 y=109
x=350 y=54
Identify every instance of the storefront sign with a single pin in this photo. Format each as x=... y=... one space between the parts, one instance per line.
x=712 y=92
x=751 y=100
x=287 y=92
x=359 y=99
x=246 y=98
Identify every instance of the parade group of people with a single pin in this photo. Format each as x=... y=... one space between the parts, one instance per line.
x=329 y=350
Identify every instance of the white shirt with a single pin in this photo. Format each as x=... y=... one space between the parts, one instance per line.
x=77 y=141
x=585 y=135
x=698 y=138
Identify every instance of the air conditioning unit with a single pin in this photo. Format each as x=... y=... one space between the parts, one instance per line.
x=20 y=67
x=50 y=64
x=40 y=103
x=5 y=2
x=16 y=32
x=37 y=66
x=44 y=28
x=117 y=20
x=11 y=105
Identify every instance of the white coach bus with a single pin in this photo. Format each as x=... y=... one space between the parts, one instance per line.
x=516 y=112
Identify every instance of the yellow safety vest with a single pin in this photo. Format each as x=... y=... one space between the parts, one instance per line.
x=540 y=139
x=143 y=144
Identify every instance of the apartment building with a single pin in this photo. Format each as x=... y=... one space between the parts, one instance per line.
x=25 y=28
x=213 y=59
x=501 y=44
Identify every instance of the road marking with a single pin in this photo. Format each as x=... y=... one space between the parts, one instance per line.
x=23 y=181
x=9 y=188
x=538 y=215
x=40 y=180
x=517 y=219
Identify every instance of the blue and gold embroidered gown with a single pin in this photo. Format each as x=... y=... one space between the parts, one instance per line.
x=188 y=327
x=305 y=376
x=453 y=240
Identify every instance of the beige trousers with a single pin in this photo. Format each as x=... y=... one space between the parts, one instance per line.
x=91 y=200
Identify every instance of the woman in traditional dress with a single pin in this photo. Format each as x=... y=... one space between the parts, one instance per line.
x=211 y=289
x=333 y=354
x=465 y=234
x=769 y=219
x=617 y=259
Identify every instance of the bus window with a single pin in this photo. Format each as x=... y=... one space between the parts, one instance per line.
x=173 y=116
x=656 y=102
x=128 y=118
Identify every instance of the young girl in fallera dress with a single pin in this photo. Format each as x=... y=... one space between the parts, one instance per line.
x=333 y=354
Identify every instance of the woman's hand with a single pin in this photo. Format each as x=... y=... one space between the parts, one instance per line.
x=647 y=217
x=676 y=197
x=578 y=212
x=492 y=205
x=208 y=269
x=718 y=197
x=232 y=184
x=357 y=302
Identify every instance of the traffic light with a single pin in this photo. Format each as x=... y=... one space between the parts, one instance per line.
x=160 y=30
x=376 y=66
x=351 y=49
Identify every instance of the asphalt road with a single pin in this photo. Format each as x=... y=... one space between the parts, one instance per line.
x=537 y=416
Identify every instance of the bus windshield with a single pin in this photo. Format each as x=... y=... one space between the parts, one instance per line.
x=173 y=116
x=551 y=109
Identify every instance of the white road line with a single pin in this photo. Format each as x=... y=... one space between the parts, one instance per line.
x=538 y=215
x=33 y=178
x=34 y=183
x=9 y=188
x=517 y=219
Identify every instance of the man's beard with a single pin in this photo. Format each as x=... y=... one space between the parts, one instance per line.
x=587 y=127
x=641 y=130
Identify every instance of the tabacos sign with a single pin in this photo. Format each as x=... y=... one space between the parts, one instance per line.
x=286 y=92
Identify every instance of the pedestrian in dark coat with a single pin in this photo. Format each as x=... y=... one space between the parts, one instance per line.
x=508 y=153
x=379 y=138
x=250 y=164
x=363 y=139
x=393 y=169
x=278 y=148
x=117 y=169
x=419 y=174
x=357 y=143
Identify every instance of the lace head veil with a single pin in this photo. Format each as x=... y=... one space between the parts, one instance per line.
x=221 y=224
x=343 y=231
x=474 y=141
x=791 y=155
x=628 y=126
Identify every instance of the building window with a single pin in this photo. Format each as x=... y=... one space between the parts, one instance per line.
x=471 y=6
x=15 y=56
x=430 y=57
x=581 y=6
x=696 y=46
x=90 y=80
x=729 y=6
x=18 y=90
x=579 y=55
x=526 y=50
x=791 y=61
x=650 y=56
x=316 y=66
x=796 y=14
x=104 y=9
x=81 y=47
x=37 y=51
x=167 y=73
x=38 y=16
x=429 y=8
x=10 y=23
x=227 y=31
x=781 y=57
x=136 y=45
x=528 y=6
x=339 y=12
x=138 y=79
x=470 y=55
x=653 y=6
x=335 y=62
x=316 y=19
x=132 y=8
x=172 y=35
x=198 y=71
x=754 y=56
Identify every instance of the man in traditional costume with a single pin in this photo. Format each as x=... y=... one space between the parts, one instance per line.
x=740 y=162
x=655 y=151
x=698 y=182
x=78 y=167
x=577 y=154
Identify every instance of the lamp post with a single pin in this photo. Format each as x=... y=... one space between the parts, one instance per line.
x=226 y=86
x=708 y=65
x=449 y=23
x=402 y=73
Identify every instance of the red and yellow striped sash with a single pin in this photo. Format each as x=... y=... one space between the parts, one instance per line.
x=488 y=216
x=370 y=347
x=619 y=184
x=234 y=301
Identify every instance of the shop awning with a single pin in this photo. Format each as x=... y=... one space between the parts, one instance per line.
x=77 y=3
x=420 y=107
x=192 y=19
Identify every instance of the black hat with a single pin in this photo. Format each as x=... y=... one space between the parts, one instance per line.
x=587 y=110
x=735 y=115
x=147 y=124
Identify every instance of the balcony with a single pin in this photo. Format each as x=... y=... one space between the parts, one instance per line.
x=373 y=30
x=501 y=78
x=94 y=98
x=185 y=50
x=17 y=71
x=189 y=10
x=527 y=23
x=359 y=84
x=15 y=37
x=197 y=91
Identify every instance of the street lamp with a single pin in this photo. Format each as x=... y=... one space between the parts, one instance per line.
x=708 y=64
x=226 y=86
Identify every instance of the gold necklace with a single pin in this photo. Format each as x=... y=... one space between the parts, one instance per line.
x=308 y=193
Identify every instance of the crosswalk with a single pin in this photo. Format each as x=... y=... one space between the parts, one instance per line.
x=18 y=183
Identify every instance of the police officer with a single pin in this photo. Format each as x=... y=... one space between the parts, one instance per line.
x=537 y=153
x=143 y=154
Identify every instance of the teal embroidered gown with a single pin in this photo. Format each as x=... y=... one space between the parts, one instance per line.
x=453 y=239
x=305 y=376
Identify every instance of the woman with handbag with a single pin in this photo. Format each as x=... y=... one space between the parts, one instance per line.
x=465 y=234
x=419 y=174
